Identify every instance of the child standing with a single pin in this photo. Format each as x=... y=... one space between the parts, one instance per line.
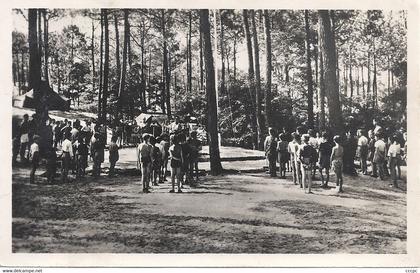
x=307 y=157
x=34 y=157
x=175 y=152
x=51 y=162
x=82 y=156
x=156 y=160
x=337 y=162
x=394 y=154
x=293 y=149
x=113 y=155
x=325 y=148
x=283 y=154
x=144 y=153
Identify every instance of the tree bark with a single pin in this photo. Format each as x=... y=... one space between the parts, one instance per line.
x=321 y=97
x=46 y=53
x=101 y=68
x=222 y=54
x=121 y=95
x=351 y=75
x=234 y=57
x=330 y=73
x=368 y=75
x=201 y=63
x=106 y=69
x=251 y=88
x=258 y=92
x=189 y=52
x=268 y=69
x=34 y=58
x=92 y=46
x=40 y=45
x=117 y=50
x=358 y=82
x=363 y=84
x=215 y=162
x=309 y=74
x=166 y=100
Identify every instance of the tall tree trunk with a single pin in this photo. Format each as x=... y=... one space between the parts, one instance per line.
x=34 y=58
x=117 y=50
x=143 y=71
x=166 y=92
x=374 y=83
x=316 y=76
x=101 y=68
x=268 y=68
x=121 y=94
x=251 y=88
x=148 y=77
x=322 y=123
x=258 y=92
x=40 y=45
x=363 y=84
x=201 y=63
x=189 y=52
x=333 y=22
x=345 y=79
x=106 y=69
x=351 y=76
x=92 y=47
x=46 y=53
x=22 y=69
x=187 y=58
x=234 y=57
x=14 y=69
x=389 y=77
x=222 y=54
x=215 y=162
x=358 y=81
x=309 y=73
x=330 y=73
x=368 y=75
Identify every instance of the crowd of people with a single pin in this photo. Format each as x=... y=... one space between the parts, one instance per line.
x=69 y=144
x=303 y=152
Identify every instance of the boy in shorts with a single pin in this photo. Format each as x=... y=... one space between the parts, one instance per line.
x=176 y=156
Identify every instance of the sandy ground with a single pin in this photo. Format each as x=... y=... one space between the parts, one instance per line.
x=247 y=212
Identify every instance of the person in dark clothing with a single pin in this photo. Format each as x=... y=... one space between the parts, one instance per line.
x=113 y=155
x=371 y=147
x=350 y=148
x=325 y=149
x=82 y=157
x=186 y=151
x=51 y=164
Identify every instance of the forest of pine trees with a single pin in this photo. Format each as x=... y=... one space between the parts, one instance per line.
x=238 y=71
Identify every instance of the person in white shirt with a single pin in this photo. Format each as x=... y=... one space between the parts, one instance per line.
x=293 y=149
x=362 y=145
x=379 y=156
x=67 y=155
x=144 y=152
x=394 y=153
x=34 y=156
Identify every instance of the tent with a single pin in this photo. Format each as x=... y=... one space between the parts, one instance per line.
x=143 y=119
x=54 y=100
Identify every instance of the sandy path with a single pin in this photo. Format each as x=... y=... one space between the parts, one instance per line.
x=244 y=213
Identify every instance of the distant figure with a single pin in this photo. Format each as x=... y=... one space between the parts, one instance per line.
x=307 y=157
x=82 y=157
x=362 y=144
x=371 y=153
x=195 y=146
x=164 y=146
x=379 y=156
x=313 y=141
x=113 y=155
x=325 y=149
x=186 y=153
x=350 y=148
x=24 y=137
x=175 y=152
x=337 y=162
x=145 y=153
x=97 y=153
x=51 y=164
x=34 y=157
x=156 y=160
x=394 y=155
x=270 y=148
x=283 y=154
x=293 y=150
x=67 y=155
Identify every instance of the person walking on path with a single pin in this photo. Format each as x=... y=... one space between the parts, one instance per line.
x=337 y=162
x=145 y=159
x=362 y=146
x=270 y=148
x=176 y=156
x=283 y=154
x=394 y=155
x=34 y=157
x=67 y=155
x=24 y=137
x=293 y=149
x=324 y=162
x=380 y=154
x=307 y=157
x=113 y=155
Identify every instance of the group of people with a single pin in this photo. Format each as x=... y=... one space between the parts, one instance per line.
x=303 y=152
x=154 y=154
x=65 y=142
